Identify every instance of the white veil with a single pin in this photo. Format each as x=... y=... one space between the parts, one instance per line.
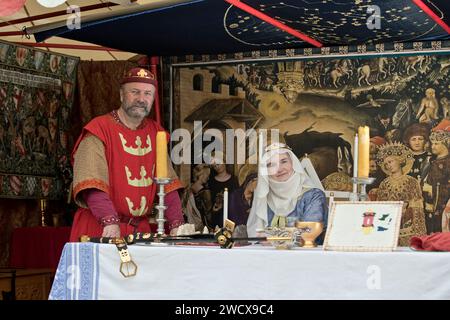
x=282 y=197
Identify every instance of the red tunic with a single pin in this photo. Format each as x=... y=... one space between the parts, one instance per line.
x=130 y=155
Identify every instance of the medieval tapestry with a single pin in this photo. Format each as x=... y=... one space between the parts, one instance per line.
x=36 y=95
x=401 y=91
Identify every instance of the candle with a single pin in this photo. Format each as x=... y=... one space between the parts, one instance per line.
x=363 y=152
x=355 y=157
x=161 y=155
x=225 y=206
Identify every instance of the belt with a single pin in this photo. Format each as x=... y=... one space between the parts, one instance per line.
x=133 y=221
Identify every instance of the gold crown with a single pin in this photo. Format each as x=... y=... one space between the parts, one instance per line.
x=139 y=151
x=142 y=73
x=143 y=182
x=397 y=149
x=440 y=136
x=140 y=211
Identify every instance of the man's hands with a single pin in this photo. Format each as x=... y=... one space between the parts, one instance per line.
x=112 y=231
x=173 y=232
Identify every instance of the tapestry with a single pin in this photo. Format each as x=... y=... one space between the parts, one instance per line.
x=36 y=97
x=401 y=91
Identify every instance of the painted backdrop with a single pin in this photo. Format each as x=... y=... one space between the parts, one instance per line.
x=318 y=104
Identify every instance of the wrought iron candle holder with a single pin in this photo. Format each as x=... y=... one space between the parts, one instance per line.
x=161 y=207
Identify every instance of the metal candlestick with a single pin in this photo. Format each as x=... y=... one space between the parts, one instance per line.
x=362 y=196
x=161 y=182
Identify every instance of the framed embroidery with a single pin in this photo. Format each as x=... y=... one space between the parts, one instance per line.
x=363 y=226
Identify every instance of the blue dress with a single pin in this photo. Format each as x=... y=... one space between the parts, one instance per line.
x=312 y=206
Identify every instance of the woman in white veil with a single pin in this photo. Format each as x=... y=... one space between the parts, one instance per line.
x=284 y=193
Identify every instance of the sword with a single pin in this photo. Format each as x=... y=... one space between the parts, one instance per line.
x=223 y=237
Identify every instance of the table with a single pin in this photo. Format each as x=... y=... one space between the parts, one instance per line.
x=91 y=271
x=38 y=247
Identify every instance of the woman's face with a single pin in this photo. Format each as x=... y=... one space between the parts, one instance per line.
x=392 y=164
x=417 y=143
x=280 y=167
x=438 y=148
x=205 y=176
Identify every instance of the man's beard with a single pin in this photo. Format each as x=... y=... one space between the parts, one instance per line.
x=131 y=111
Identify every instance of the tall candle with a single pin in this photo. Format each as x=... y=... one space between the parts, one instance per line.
x=260 y=147
x=355 y=157
x=161 y=155
x=225 y=206
x=363 y=152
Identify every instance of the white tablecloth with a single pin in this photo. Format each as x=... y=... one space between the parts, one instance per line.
x=91 y=271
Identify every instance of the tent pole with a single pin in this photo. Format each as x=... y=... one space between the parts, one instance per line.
x=154 y=62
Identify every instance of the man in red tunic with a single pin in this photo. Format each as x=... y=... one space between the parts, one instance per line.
x=114 y=166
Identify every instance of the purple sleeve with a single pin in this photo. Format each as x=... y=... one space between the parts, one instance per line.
x=101 y=206
x=173 y=212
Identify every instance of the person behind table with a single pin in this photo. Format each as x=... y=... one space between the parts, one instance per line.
x=114 y=167
x=221 y=178
x=241 y=200
x=285 y=193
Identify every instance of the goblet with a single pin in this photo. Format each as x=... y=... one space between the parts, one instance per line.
x=310 y=231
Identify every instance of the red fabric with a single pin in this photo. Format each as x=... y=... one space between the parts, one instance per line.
x=100 y=204
x=173 y=213
x=439 y=241
x=110 y=132
x=88 y=225
x=123 y=166
x=140 y=75
x=38 y=247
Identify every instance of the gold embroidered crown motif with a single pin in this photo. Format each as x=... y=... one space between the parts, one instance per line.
x=139 y=151
x=139 y=211
x=143 y=182
x=397 y=149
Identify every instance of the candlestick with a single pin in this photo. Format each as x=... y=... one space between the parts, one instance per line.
x=161 y=155
x=354 y=194
x=225 y=205
x=161 y=207
x=363 y=182
x=363 y=152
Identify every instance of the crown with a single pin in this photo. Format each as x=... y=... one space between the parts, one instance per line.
x=139 y=211
x=143 y=182
x=397 y=149
x=139 y=151
x=440 y=136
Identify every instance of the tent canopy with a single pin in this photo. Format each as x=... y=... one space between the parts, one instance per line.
x=216 y=26
x=33 y=14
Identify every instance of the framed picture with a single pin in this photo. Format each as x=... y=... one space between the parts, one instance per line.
x=363 y=226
